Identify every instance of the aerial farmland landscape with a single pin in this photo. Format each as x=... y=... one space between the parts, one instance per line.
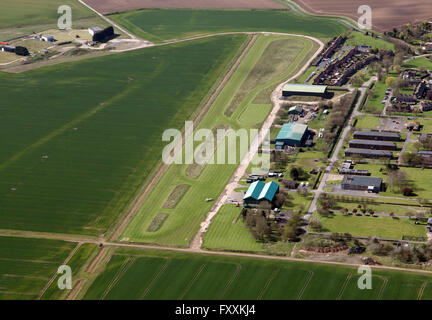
x=197 y=151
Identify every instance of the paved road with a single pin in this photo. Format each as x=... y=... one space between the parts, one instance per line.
x=335 y=156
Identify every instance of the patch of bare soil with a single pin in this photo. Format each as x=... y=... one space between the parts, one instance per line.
x=386 y=14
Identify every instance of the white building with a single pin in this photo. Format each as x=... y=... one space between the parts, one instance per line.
x=94 y=30
x=47 y=38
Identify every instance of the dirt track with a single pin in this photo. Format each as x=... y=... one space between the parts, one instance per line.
x=386 y=14
x=108 y=6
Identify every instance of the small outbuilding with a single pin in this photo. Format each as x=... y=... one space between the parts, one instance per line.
x=295 y=110
x=47 y=38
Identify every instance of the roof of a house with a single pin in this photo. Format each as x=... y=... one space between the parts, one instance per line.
x=304 y=88
x=369 y=151
x=377 y=133
x=362 y=181
x=260 y=190
x=373 y=142
x=292 y=131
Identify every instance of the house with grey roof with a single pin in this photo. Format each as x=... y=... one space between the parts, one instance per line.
x=362 y=183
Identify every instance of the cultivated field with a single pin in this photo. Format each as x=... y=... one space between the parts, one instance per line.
x=84 y=136
x=152 y=275
x=386 y=14
x=26 y=265
x=160 y=25
x=235 y=107
x=108 y=6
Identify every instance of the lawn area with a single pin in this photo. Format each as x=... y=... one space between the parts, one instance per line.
x=367 y=122
x=418 y=178
x=368 y=226
x=183 y=221
x=359 y=38
x=26 y=265
x=168 y=275
x=81 y=142
x=373 y=103
x=228 y=231
x=160 y=25
x=418 y=63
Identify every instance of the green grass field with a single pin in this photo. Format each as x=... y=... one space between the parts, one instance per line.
x=23 y=17
x=418 y=63
x=367 y=122
x=164 y=275
x=160 y=25
x=83 y=136
x=26 y=265
x=228 y=231
x=359 y=38
x=368 y=226
x=183 y=221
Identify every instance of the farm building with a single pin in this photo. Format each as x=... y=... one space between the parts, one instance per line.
x=21 y=51
x=367 y=153
x=104 y=34
x=292 y=134
x=373 y=145
x=260 y=193
x=377 y=135
x=7 y=49
x=47 y=38
x=295 y=110
x=304 y=90
x=370 y=184
x=94 y=30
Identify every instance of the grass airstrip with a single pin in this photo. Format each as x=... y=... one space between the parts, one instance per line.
x=240 y=104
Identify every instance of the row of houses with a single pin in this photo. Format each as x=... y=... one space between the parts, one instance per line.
x=334 y=45
x=339 y=72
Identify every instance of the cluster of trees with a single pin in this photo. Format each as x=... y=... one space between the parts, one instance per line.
x=409 y=254
x=337 y=118
x=279 y=159
x=268 y=230
x=412 y=33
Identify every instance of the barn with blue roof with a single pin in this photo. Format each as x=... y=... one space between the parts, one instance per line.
x=259 y=193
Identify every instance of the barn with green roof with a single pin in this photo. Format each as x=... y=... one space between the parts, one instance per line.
x=292 y=134
x=259 y=193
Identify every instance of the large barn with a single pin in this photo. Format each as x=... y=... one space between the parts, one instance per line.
x=291 y=89
x=260 y=193
x=292 y=134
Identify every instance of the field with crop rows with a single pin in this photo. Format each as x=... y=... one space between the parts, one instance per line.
x=83 y=136
x=235 y=107
x=26 y=265
x=160 y=25
x=152 y=275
